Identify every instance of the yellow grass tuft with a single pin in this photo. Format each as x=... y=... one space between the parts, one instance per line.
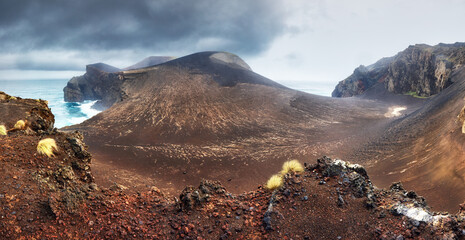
x=275 y=182
x=20 y=125
x=3 y=130
x=292 y=166
x=47 y=146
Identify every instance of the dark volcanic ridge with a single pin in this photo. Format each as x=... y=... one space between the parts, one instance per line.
x=56 y=197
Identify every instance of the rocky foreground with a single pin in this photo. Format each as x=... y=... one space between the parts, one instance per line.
x=56 y=198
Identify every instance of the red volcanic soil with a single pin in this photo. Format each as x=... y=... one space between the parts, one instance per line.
x=47 y=198
x=56 y=198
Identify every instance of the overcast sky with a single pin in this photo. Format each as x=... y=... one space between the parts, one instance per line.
x=307 y=44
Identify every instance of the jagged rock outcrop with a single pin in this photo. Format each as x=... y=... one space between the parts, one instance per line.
x=36 y=113
x=421 y=70
x=362 y=79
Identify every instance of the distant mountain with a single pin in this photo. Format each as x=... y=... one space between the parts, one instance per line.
x=104 y=67
x=420 y=69
x=149 y=61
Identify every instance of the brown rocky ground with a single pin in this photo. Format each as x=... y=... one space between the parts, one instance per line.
x=56 y=198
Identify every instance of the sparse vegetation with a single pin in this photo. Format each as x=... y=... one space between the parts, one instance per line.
x=275 y=182
x=292 y=166
x=414 y=94
x=3 y=131
x=47 y=146
x=20 y=125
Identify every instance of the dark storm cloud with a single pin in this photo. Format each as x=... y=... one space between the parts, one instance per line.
x=244 y=27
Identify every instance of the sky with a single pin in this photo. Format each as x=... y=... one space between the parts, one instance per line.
x=304 y=44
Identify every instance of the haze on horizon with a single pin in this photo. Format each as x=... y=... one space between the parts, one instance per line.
x=304 y=44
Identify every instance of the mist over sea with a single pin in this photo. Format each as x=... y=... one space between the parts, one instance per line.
x=73 y=113
x=51 y=90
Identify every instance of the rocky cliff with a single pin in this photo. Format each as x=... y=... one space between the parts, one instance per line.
x=420 y=70
x=100 y=82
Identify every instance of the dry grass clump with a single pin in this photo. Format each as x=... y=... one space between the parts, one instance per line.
x=3 y=131
x=275 y=182
x=292 y=166
x=47 y=146
x=20 y=125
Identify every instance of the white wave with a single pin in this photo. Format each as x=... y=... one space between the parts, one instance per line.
x=86 y=108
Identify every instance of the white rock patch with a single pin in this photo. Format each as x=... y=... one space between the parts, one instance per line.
x=418 y=214
x=394 y=111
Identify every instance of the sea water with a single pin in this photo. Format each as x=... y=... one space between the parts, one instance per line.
x=66 y=113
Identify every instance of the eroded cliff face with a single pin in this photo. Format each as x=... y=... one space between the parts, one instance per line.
x=421 y=70
x=100 y=82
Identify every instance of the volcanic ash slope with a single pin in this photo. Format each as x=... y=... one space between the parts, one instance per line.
x=208 y=115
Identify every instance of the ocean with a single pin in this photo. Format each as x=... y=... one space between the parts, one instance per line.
x=73 y=113
x=51 y=90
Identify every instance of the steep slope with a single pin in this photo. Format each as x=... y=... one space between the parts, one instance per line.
x=207 y=115
x=420 y=69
